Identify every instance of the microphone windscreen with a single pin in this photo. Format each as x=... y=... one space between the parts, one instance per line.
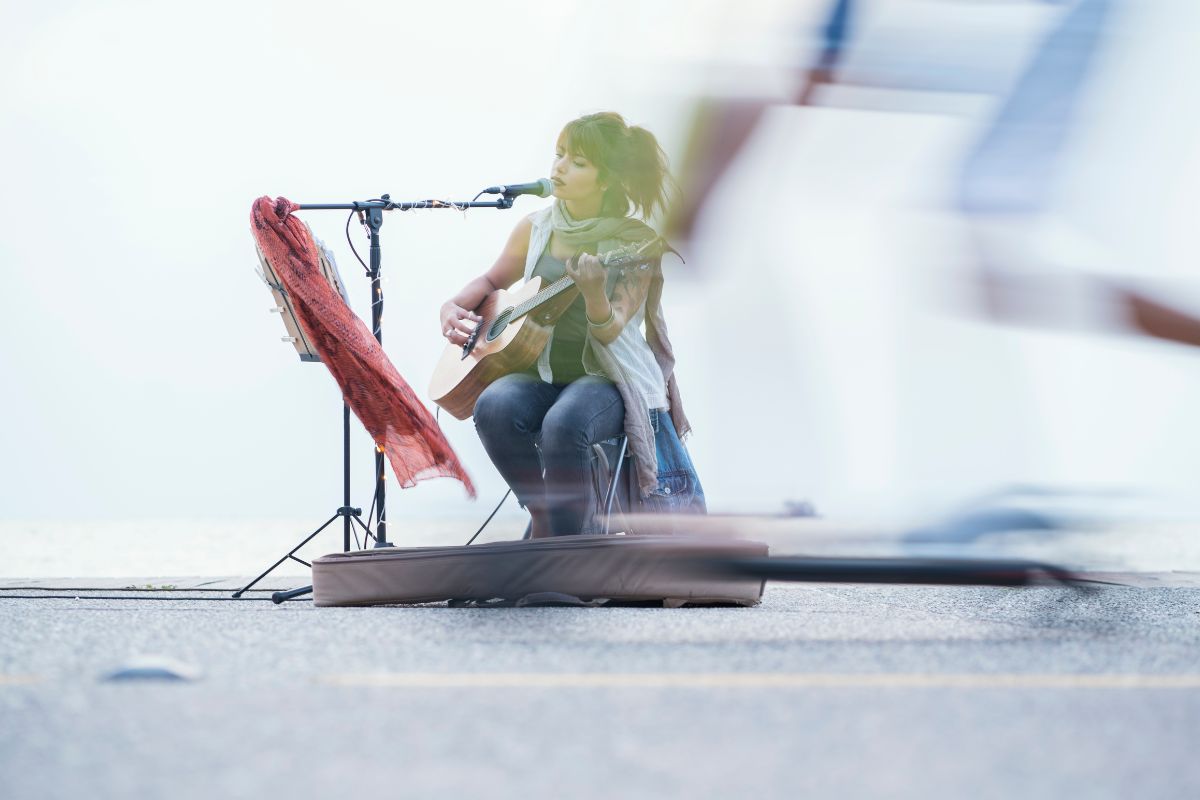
x=547 y=187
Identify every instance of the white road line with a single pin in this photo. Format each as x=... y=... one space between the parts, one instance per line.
x=770 y=680
x=18 y=680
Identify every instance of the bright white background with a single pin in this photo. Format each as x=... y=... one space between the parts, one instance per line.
x=142 y=373
x=143 y=376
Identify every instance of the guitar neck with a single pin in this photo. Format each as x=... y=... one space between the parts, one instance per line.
x=630 y=259
x=547 y=294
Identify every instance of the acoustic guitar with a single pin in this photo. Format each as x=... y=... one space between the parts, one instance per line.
x=514 y=331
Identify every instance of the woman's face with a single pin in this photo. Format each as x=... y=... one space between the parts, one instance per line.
x=574 y=177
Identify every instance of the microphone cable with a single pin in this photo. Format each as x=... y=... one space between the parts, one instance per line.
x=437 y=417
x=437 y=411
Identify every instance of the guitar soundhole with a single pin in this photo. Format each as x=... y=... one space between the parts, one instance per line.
x=497 y=327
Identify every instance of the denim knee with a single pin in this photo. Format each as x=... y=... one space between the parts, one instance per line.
x=572 y=427
x=562 y=434
x=501 y=403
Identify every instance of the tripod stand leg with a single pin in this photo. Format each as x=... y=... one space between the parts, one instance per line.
x=291 y=554
x=279 y=597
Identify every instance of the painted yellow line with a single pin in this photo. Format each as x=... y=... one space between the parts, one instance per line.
x=769 y=680
x=17 y=680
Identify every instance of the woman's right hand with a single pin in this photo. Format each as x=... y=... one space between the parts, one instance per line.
x=458 y=322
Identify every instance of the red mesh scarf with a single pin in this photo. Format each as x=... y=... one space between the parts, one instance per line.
x=383 y=400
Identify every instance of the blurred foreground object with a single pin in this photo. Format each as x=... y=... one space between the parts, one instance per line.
x=931 y=571
x=899 y=55
x=804 y=534
x=866 y=218
x=719 y=128
x=1067 y=150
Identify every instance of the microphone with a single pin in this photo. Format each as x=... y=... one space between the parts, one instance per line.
x=541 y=188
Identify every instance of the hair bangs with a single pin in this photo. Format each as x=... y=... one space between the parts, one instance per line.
x=585 y=140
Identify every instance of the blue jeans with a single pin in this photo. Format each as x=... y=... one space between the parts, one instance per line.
x=679 y=490
x=520 y=415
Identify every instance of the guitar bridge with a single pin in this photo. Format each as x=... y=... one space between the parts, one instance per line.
x=469 y=345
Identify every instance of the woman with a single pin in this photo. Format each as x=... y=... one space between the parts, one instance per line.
x=599 y=375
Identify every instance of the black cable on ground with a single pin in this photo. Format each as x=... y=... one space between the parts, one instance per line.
x=126 y=597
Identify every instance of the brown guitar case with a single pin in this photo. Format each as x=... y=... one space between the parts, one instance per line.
x=592 y=570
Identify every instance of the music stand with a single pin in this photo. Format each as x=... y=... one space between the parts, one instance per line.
x=370 y=214
x=307 y=353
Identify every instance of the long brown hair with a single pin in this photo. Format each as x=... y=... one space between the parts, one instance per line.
x=628 y=159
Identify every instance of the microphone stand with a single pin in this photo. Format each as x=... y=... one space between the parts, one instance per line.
x=371 y=215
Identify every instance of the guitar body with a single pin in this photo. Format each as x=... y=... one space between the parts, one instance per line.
x=457 y=381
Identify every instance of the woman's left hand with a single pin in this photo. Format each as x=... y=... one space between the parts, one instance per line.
x=588 y=274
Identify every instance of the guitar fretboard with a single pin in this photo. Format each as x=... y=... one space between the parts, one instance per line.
x=630 y=258
x=547 y=293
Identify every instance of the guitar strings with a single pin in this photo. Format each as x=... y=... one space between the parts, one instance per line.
x=610 y=259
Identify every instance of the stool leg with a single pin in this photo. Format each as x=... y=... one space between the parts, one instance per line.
x=612 y=486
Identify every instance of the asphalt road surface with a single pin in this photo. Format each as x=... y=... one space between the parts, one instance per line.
x=838 y=691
